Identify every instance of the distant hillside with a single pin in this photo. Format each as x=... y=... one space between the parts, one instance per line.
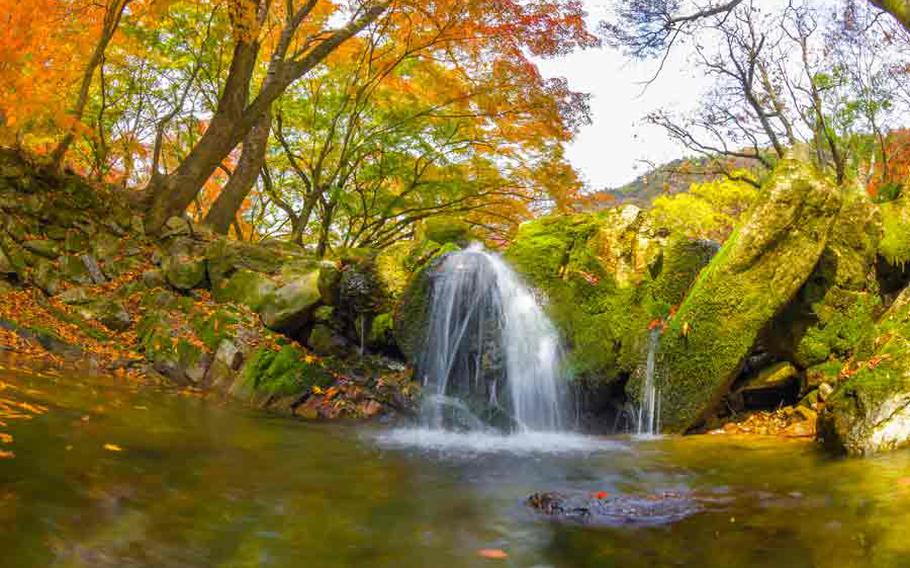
x=666 y=179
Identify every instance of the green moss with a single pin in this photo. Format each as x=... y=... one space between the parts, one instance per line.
x=283 y=373
x=214 y=327
x=895 y=244
x=757 y=271
x=869 y=412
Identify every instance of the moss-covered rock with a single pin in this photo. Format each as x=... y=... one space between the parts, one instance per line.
x=603 y=278
x=869 y=412
x=244 y=287
x=43 y=247
x=837 y=305
x=290 y=307
x=895 y=243
x=444 y=230
x=184 y=271
x=289 y=371
x=771 y=386
x=755 y=274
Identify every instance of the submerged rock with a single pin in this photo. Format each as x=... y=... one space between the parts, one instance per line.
x=869 y=412
x=600 y=508
x=757 y=272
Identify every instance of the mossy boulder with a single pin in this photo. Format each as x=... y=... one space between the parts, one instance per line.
x=288 y=308
x=837 y=305
x=895 y=243
x=244 y=287
x=184 y=271
x=286 y=372
x=756 y=273
x=603 y=277
x=869 y=412
x=43 y=247
x=444 y=230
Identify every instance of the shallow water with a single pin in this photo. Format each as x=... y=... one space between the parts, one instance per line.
x=199 y=483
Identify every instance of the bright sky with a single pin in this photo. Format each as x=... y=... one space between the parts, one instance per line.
x=608 y=153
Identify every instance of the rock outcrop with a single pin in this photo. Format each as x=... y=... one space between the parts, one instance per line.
x=869 y=412
x=756 y=273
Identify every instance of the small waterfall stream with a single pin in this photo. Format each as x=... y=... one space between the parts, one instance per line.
x=492 y=358
x=648 y=415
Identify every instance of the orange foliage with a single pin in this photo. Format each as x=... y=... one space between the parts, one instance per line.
x=897 y=151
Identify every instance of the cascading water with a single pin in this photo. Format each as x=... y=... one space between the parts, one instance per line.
x=648 y=416
x=491 y=358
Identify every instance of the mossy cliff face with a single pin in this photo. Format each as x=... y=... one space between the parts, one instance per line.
x=755 y=274
x=603 y=277
x=869 y=412
x=837 y=306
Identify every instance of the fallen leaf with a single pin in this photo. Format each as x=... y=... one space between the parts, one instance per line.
x=601 y=495
x=113 y=448
x=492 y=553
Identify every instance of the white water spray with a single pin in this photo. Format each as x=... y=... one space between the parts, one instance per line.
x=492 y=358
x=649 y=398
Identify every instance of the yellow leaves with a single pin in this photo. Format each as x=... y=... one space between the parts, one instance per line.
x=112 y=448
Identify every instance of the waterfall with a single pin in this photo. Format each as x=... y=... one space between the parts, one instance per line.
x=649 y=397
x=491 y=358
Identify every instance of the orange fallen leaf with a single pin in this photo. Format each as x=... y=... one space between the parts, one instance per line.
x=112 y=448
x=492 y=553
x=905 y=481
x=601 y=495
x=6 y=455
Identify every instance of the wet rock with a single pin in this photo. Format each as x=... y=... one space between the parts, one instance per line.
x=616 y=510
x=110 y=314
x=757 y=272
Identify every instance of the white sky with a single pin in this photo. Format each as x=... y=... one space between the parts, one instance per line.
x=608 y=153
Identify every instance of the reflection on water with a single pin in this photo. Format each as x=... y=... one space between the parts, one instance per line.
x=198 y=483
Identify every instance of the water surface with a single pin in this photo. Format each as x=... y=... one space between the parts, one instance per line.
x=201 y=483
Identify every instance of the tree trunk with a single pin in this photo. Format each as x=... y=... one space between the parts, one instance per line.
x=171 y=194
x=231 y=198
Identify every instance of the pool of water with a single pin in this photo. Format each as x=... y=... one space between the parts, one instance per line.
x=200 y=483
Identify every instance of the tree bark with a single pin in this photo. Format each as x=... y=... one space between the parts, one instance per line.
x=172 y=194
x=230 y=200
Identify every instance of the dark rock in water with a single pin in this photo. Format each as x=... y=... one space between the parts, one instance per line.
x=616 y=510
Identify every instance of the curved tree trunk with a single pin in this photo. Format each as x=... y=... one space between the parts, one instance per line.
x=229 y=201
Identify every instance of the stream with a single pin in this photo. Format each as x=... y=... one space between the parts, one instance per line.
x=116 y=474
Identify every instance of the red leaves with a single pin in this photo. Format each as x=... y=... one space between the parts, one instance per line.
x=600 y=495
